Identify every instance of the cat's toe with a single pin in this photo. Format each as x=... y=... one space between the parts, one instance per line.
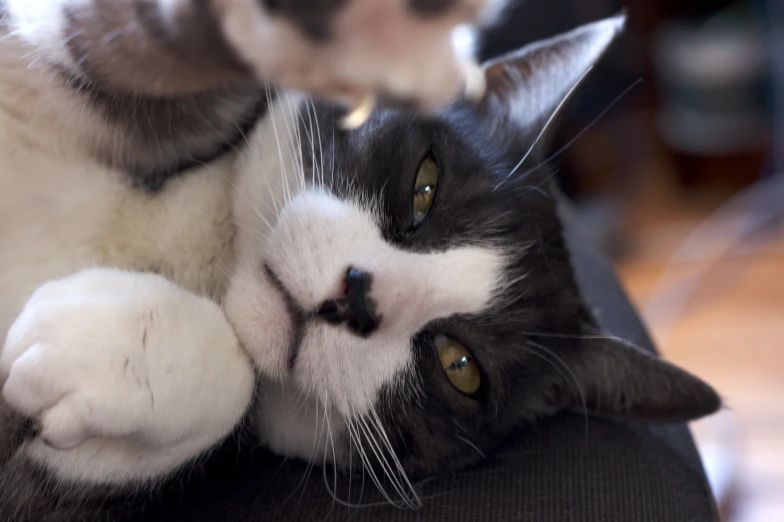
x=26 y=387
x=38 y=386
x=61 y=427
x=127 y=375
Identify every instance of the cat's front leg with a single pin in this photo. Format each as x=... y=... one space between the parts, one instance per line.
x=125 y=375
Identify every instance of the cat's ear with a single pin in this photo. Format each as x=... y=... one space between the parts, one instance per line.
x=619 y=380
x=527 y=85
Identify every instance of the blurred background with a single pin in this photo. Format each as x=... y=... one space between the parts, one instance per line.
x=674 y=153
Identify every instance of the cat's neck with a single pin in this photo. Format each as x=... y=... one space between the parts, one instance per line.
x=150 y=139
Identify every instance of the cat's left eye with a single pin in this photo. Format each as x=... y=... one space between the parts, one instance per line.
x=458 y=364
x=425 y=188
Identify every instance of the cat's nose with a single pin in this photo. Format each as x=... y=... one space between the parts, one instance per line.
x=356 y=308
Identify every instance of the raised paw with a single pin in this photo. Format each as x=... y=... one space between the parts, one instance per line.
x=125 y=375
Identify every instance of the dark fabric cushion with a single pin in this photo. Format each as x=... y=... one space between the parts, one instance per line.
x=565 y=468
x=561 y=470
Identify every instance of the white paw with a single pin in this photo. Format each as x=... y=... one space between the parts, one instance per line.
x=127 y=375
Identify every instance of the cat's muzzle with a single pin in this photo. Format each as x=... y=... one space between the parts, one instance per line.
x=356 y=308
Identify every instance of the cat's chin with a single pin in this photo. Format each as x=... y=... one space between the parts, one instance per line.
x=292 y=423
x=261 y=319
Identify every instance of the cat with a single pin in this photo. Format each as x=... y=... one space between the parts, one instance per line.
x=387 y=297
x=142 y=65
x=345 y=50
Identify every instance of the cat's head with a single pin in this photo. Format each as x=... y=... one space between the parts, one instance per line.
x=405 y=50
x=340 y=49
x=409 y=298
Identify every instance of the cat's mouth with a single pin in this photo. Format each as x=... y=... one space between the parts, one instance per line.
x=360 y=319
x=298 y=316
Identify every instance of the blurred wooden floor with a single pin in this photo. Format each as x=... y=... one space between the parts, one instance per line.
x=731 y=333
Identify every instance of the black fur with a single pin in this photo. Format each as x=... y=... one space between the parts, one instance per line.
x=430 y=7
x=537 y=345
x=163 y=137
x=314 y=19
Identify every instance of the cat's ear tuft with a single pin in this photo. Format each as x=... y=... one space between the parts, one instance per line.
x=619 y=380
x=527 y=85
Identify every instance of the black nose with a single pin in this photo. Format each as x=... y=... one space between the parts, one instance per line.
x=356 y=308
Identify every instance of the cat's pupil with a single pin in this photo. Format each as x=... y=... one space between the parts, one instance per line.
x=423 y=199
x=459 y=364
x=425 y=188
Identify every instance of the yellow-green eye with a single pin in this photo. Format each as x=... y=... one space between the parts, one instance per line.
x=425 y=188
x=458 y=364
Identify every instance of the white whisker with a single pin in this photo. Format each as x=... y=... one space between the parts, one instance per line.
x=382 y=460
x=416 y=502
x=472 y=445
x=579 y=134
x=545 y=127
x=366 y=464
x=292 y=141
x=334 y=459
x=280 y=150
x=320 y=144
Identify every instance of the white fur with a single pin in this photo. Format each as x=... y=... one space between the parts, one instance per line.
x=301 y=426
x=209 y=233
x=63 y=212
x=40 y=24
x=373 y=43
x=128 y=374
x=315 y=238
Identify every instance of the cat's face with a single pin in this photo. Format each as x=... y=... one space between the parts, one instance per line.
x=156 y=87
x=340 y=49
x=408 y=299
x=346 y=49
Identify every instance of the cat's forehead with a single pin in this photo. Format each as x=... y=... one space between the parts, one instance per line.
x=459 y=133
x=317 y=20
x=472 y=148
x=479 y=199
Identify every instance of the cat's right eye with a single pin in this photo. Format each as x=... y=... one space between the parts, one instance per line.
x=425 y=188
x=458 y=364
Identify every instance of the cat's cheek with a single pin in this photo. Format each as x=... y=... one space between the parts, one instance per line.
x=291 y=423
x=347 y=371
x=413 y=289
x=261 y=319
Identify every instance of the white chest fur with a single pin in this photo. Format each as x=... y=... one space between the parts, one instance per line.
x=61 y=211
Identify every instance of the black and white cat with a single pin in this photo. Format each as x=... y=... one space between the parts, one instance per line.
x=395 y=296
